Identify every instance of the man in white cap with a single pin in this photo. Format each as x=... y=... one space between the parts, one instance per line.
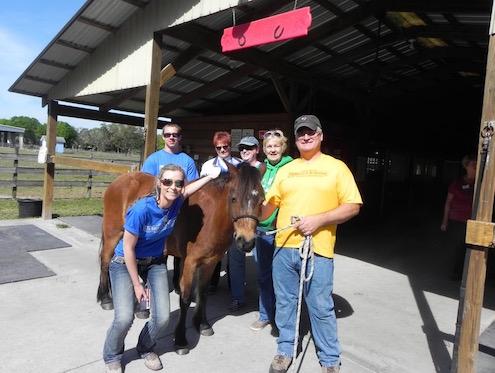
x=321 y=192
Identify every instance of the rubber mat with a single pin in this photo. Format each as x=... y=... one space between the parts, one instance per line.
x=29 y=238
x=15 y=244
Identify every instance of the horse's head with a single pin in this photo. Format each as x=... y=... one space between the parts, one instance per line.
x=246 y=196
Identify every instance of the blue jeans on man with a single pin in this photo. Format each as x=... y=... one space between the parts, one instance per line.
x=263 y=255
x=237 y=273
x=318 y=297
x=124 y=301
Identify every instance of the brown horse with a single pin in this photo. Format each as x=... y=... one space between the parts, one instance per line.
x=225 y=208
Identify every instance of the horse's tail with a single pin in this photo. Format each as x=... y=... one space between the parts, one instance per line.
x=104 y=286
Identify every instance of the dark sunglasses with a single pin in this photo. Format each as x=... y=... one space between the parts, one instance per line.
x=246 y=147
x=169 y=182
x=276 y=133
x=223 y=147
x=171 y=134
x=306 y=131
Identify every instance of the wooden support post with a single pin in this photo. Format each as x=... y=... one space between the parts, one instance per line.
x=49 y=174
x=477 y=256
x=152 y=98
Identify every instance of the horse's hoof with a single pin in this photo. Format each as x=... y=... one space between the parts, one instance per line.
x=107 y=306
x=182 y=350
x=207 y=331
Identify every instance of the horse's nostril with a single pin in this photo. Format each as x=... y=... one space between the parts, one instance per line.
x=244 y=245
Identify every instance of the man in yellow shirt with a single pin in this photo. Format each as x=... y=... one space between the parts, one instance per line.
x=320 y=190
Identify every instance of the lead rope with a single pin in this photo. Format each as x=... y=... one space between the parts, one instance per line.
x=305 y=252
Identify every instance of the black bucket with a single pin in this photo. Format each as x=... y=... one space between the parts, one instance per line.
x=29 y=207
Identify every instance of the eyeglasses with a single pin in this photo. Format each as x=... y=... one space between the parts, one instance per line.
x=276 y=133
x=169 y=182
x=246 y=147
x=223 y=147
x=306 y=131
x=175 y=135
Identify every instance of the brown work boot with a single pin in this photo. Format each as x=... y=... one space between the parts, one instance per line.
x=334 y=369
x=280 y=364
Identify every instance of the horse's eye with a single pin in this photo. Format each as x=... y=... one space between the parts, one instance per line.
x=234 y=200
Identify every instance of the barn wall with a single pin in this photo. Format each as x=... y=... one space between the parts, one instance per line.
x=198 y=131
x=123 y=60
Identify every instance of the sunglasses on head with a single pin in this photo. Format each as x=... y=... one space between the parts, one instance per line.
x=171 y=134
x=223 y=147
x=246 y=147
x=169 y=182
x=276 y=133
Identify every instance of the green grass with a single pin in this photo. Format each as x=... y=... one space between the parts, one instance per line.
x=61 y=207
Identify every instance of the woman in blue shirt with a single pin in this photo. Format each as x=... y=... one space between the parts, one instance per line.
x=140 y=253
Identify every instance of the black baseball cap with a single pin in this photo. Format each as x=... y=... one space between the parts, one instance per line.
x=307 y=120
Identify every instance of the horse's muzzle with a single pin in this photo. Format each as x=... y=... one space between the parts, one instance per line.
x=243 y=244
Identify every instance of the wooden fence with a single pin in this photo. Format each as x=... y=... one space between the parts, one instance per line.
x=14 y=182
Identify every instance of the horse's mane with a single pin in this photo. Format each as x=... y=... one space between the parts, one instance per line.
x=249 y=180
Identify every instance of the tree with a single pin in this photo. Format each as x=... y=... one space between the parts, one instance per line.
x=68 y=132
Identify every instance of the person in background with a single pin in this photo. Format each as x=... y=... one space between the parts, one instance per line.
x=248 y=149
x=222 y=143
x=456 y=212
x=141 y=254
x=321 y=192
x=274 y=146
x=171 y=154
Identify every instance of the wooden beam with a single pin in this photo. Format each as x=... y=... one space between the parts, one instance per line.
x=88 y=164
x=49 y=168
x=480 y=233
x=166 y=74
x=447 y=6
x=470 y=308
x=56 y=64
x=136 y=3
x=152 y=98
x=79 y=47
x=281 y=92
x=94 y=23
x=120 y=98
x=204 y=90
x=41 y=80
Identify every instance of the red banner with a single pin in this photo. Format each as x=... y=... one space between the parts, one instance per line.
x=279 y=27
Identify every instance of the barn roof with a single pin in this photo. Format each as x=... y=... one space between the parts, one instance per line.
x=6 y=128
x=356 y=50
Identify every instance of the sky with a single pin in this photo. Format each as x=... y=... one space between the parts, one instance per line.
x=26 y=27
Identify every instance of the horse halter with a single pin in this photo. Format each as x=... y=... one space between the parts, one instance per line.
x=234 y=219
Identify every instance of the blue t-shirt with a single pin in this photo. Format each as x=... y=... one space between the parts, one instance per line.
x=151 y=224
x=153 y=164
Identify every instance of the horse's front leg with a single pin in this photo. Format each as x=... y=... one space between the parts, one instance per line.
x=199 y=319
x=181 y=344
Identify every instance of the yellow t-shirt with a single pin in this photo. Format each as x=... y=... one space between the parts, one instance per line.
x=303 y=188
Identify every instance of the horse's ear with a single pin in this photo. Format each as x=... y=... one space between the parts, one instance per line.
x=262 y=169
x=232 y=169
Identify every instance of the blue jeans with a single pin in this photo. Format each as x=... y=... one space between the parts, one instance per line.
x=263 y=254
x=123 y=302
x=237 y=271
x=318 y=297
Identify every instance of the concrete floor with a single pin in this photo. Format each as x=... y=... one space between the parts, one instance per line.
x=396 y=308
